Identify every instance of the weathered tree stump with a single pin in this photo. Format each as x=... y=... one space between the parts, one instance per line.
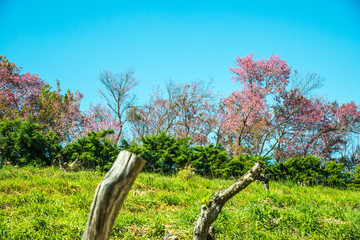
x=110 y=195
x=203 y=229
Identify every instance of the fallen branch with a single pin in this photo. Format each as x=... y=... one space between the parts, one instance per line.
x=110 y=195
x=203 y=229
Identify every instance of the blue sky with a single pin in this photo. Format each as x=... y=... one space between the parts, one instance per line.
x=181 y=40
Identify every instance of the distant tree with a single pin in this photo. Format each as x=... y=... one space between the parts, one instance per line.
x=195 y=104
x=245 y=116
x=116 y=92
x=18 y=92
x=60 y=113
x=187 y=110
x=156 y=116
x=326 y=130
x=98 y=119
x=28 y=97
x=267 y=116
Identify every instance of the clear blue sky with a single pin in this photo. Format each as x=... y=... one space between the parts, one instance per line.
x=181 y=40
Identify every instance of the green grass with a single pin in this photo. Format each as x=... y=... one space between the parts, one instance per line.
x=47 y=203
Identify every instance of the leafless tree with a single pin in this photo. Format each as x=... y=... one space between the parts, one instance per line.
x=182 y=110
x=117 y=93
x=306 y=84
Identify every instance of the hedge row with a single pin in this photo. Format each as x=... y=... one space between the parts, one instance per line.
x=23 y=143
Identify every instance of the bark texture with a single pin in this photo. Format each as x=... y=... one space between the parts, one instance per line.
x=110 y=195
x=203 y=229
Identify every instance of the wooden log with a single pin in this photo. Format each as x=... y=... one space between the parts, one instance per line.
x=203 y=229
x=110 y=195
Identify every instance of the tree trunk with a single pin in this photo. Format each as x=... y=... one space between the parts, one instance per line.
x=203 y=229
x=110 y=195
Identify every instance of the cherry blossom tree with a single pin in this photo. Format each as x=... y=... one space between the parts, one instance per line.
x=245 y=115
x=270 y=117
x=28 y=97
x=59 y=113
x=18 y=92
x=325 y=129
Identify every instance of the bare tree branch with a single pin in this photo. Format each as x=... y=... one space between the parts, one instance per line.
x=306 y=84
x=210 y=212
x=117 y=93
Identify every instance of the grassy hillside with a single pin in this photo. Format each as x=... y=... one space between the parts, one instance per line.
x=50 y=204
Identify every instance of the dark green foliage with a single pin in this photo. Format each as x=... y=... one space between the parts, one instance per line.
x=334 y=175
x=357 y=175
x=162 y=153
x=304 y=170
x=310 y=170
x=23 y=143
x=207 y=160
x=94 y=151
x=167 y=154
x=231 y=168
x=241 y=164
x=355 y=180
x=238 y=166
x=214 y=161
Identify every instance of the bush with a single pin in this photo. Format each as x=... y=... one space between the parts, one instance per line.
x=238 y=166
x=334 y=175
x=310 y=170
x=207 y=160
x=162 y=153
x=93 y=151
x=166 y=154
x=306 y=170
x=357 y=175
x=23 y=143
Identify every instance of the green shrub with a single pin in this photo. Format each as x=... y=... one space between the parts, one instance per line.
x=334 y=175
x=301 y=170
x=306 y=170
x=93 y=151
x=310 y=170
x=23 y=143
x=166 y=154
x=162 y=153
x=355 y=180
x=277 y=172
x=238 y=166
x=207 y=160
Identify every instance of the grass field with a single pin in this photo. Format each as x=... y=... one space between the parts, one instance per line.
x=47 y=203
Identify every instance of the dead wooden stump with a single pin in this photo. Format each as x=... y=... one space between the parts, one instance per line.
x=203 y=229
x=110 y=195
